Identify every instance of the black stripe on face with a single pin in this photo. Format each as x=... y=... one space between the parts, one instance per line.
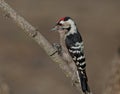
x=68 y=28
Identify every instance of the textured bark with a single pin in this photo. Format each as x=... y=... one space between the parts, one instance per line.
x=40 y=39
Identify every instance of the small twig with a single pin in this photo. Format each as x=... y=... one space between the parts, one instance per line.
x=36 y=35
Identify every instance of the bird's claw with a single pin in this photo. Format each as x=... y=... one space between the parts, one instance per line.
x=58 y=47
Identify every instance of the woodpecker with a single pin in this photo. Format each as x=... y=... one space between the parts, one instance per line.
x=72 y=47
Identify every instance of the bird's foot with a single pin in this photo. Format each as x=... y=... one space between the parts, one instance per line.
x=57 y=47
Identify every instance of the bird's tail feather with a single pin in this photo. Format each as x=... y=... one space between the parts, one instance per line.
x=84 y=82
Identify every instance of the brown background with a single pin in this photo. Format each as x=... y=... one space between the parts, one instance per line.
x=28 y=70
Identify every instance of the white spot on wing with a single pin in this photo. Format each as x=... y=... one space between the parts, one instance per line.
x=81 y=68
x=83 y=63
x=77 y=63
x=78 y=45
x=70 y=50
x=74 y=58
x=76 y=51
x=81 y=57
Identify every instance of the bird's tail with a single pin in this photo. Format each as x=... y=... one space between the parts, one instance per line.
x=84 y=82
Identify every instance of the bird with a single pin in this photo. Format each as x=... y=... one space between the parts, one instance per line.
x=72 y=47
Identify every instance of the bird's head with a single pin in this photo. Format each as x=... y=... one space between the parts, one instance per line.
x=65 y=25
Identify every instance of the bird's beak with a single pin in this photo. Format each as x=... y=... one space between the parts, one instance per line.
x=56 y=28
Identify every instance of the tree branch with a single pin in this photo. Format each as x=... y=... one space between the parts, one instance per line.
x=40 y=39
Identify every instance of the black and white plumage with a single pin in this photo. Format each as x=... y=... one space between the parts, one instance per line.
x=72 y=47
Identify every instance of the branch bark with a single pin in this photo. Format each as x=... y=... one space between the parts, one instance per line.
x=40 y=39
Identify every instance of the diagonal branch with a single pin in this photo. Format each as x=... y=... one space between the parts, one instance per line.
x=39 y=38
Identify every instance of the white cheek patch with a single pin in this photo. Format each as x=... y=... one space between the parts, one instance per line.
x=73 y=27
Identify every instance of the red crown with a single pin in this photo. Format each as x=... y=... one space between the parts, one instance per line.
x=62 y=19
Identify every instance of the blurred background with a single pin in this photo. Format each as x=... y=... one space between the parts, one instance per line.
x=24 y=66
